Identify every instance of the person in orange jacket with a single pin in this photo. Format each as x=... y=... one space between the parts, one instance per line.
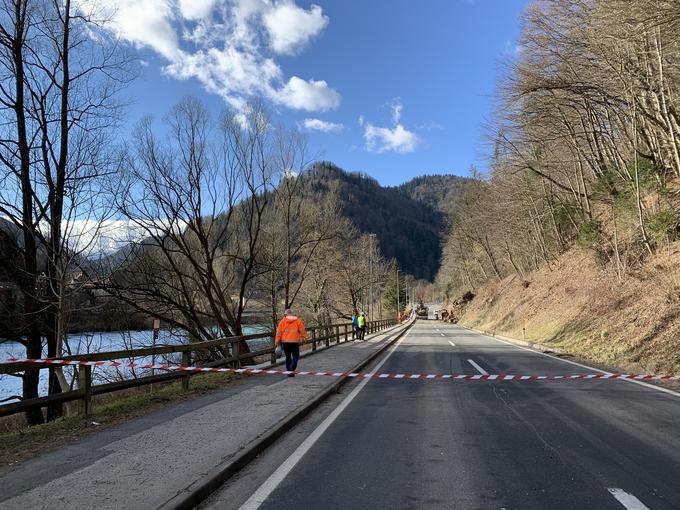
x=290 y=333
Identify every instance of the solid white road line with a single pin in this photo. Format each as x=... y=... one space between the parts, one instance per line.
x=271 y=483
x=627 y=500
x=478 y=368
x=641 y=383
x=452 y=344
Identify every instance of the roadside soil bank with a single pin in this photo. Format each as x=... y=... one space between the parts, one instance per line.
x=576 y=307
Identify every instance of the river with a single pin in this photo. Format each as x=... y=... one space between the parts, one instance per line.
x=107 y=341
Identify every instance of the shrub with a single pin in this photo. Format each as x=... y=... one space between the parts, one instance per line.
x=664 y=225
x=590 y=234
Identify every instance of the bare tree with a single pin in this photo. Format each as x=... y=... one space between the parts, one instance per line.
x=58 y=101
x=196 y=201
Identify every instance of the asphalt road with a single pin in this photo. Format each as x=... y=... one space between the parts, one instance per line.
x=398 y=444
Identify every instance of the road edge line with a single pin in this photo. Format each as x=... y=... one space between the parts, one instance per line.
x=266 y=488
x=527 y=347
x=191 y=497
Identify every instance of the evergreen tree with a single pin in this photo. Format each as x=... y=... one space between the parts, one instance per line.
x=395 y=283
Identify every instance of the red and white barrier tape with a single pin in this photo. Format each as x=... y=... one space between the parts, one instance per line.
x=463 y=377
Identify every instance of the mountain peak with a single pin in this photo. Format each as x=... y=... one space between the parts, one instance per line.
x=408 y=220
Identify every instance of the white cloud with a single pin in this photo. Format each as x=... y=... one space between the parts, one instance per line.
x=144 y=23
x=196 y=9
x=397 y=107
x=230 y=73
x=396 y=139
x=92 y=238
x=512 y=49
x=291 y=27
x=309 y=95
x=322 y=125
x=227 y=45
x=430 y=126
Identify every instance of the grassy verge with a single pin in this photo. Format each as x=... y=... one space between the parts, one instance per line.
x=19 y=442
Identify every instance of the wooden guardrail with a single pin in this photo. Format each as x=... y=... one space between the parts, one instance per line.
x=334 y=333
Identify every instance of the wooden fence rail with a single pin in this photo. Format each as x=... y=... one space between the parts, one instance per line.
x=329 y=334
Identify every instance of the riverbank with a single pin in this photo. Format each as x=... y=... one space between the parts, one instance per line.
x=101 y=341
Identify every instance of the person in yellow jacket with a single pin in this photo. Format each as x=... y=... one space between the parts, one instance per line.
x=289 y=334
x=362 y=326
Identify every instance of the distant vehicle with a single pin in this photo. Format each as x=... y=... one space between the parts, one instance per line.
x=436 y=315
x=422 y=311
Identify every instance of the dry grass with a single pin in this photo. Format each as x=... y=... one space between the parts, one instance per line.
x=581 y=309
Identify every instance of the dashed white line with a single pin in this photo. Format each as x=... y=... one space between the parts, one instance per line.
x=452 y=344
x=271 y=483
x=478 y=368
x=627 y=500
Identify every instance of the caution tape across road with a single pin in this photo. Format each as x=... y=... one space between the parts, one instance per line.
x=456 y=377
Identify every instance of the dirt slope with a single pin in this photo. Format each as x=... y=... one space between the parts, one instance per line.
x=581 y=309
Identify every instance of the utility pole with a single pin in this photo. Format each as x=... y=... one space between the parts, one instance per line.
x=370 y=276
x=398 y=307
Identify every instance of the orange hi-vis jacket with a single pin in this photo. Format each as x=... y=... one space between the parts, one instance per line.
x=291 y=330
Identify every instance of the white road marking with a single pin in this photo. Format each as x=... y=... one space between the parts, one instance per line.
x=442 y=334
x=633 y=381
x=452 y=344
x=627 y=500
x=478 y=368
x=271 y=483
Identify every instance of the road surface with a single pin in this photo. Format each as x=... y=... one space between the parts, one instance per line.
x=397 y=444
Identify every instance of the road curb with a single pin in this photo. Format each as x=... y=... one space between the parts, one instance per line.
x=191 y=497
x=524 y=343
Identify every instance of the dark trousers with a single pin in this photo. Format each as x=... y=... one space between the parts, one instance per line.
x=362 y=333
x=292 y=351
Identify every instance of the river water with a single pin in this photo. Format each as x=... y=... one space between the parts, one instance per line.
x=82 y=343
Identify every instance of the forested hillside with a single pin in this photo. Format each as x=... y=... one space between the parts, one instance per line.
x=408 y=220
x=440 y=192
x=584 y=181
x=587 y=145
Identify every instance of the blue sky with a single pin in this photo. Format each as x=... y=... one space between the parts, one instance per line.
x=393 y=88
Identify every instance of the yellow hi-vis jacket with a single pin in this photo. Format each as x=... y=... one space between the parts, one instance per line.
x=362 y=321
x=291 y=329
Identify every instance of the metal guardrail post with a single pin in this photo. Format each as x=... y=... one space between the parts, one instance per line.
x=273 y=355
x=346 y=334
x=314 y=339
x=337 y=334
x=186 y=361
x=327 y=334
x=86 y=374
